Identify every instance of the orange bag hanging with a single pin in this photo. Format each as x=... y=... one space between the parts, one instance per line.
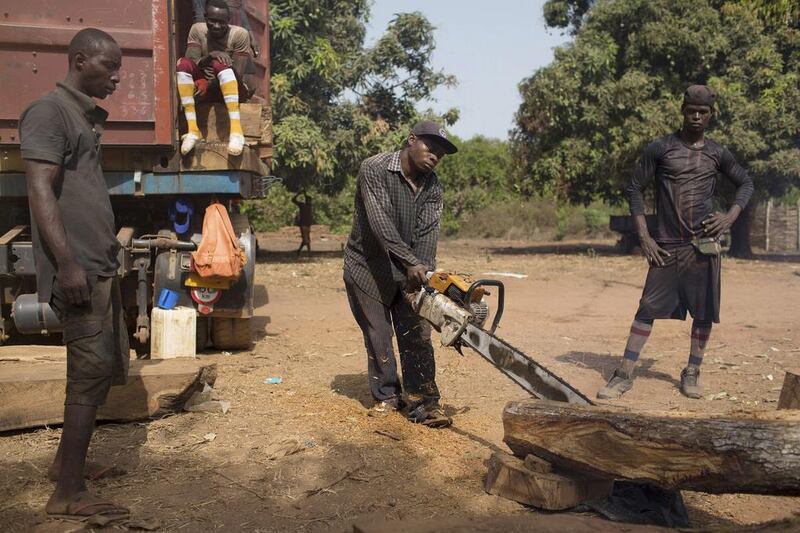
x=219 y=253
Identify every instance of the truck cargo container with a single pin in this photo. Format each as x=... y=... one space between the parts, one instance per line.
x=143 y=167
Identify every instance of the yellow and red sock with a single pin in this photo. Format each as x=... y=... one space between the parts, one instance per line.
x=230 y=92
x=186 y=92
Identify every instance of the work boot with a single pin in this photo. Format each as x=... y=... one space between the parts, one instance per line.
x=690 y=386
x=620 y=383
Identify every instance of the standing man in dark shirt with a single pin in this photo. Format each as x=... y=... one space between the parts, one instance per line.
x=392 y=245
x=684 y=257
x=75 y=251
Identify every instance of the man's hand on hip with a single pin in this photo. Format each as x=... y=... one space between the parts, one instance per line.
x=718 y=223
x=652 y=251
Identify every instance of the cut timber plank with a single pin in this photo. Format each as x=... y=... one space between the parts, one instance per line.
x=521 y=523
x=537 y=464
x=215 y=125
x=32 y=394
x=209 y=156
x=720 y=454
x=508 y=478
x=790 y=393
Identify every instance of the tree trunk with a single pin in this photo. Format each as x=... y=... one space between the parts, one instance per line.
x=740 y=235
x=672 y=450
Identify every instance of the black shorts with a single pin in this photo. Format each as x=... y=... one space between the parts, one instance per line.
x=688 y=281
x=98 y=352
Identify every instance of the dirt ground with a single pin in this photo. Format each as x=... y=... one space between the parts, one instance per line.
x=572 y=312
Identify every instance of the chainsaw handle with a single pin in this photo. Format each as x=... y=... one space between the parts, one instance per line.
x=501 y=298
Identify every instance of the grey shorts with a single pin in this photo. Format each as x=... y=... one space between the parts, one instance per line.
x=688 y=282
x=96 y=336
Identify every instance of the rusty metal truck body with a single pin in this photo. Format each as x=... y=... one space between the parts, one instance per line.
x=144 y=170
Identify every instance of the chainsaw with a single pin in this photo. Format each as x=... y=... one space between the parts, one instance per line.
x=456 y=306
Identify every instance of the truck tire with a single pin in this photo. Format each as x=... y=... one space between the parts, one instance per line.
x=231 y=333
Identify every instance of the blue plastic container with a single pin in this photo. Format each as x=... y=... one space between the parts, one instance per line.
x=167 y=299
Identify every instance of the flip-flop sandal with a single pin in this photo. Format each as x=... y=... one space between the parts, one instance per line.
x=94 y=472
x=437 y=422
x=106 y=471
x=107 y=512
x=437 y=419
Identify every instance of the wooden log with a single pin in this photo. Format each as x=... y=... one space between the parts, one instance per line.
x=719 y=454
x=790 y=393
x=508 y=478
x=32 y=394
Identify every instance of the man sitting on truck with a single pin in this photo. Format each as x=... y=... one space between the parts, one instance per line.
x=217 y=54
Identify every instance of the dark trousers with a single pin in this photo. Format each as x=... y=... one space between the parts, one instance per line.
x=379 y=323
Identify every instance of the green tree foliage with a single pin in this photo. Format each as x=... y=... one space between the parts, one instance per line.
x=587 y=116
x=335 y=102
x=477 y=176
x=566 y=13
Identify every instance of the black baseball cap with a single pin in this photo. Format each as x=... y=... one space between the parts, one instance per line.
x=699 y=95
x=428 y=128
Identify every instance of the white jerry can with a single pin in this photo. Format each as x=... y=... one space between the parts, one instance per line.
x=173 y=332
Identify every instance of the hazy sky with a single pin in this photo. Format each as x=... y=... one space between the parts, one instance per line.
x=489 y=46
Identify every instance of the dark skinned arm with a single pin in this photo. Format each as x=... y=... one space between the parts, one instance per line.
x=718 y=223
x=652 y=251
x=644 y=175
x=71 y=277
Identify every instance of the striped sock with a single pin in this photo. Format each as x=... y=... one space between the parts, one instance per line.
x=640 y=332
x=701 y=331
x=230 y=91
x=186 y=92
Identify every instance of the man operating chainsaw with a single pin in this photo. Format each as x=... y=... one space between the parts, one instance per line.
x=398 y=204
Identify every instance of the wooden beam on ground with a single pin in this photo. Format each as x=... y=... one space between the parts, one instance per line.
x=718 y=454
x=508 y=477
x=32 y=394
x=790 y=393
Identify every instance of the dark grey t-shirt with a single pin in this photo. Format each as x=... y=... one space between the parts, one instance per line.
x=63 y=127
x=685 y=179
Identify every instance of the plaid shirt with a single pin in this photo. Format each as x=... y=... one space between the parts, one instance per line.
x=392 y=227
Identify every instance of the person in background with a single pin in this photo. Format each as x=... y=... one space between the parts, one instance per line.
x=304 y=219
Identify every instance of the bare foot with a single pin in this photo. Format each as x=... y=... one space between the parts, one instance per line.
x=83 y=504
x=92 y=471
